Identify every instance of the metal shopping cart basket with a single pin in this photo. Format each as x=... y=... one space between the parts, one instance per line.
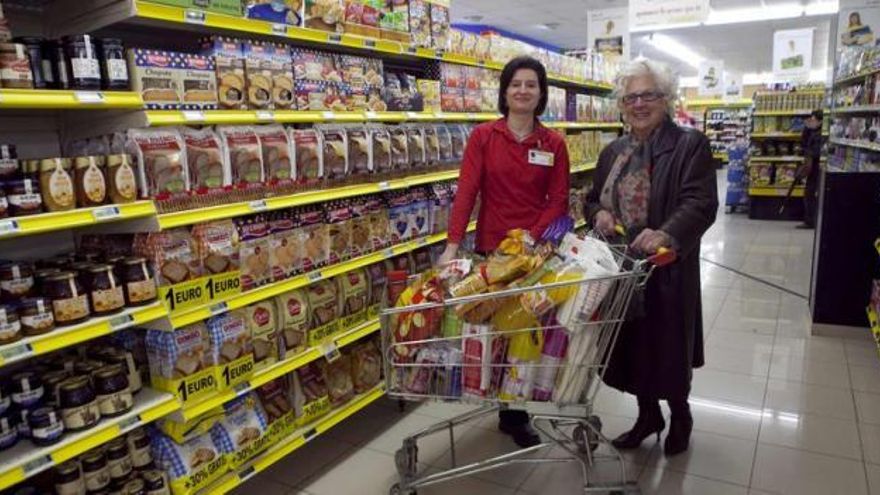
x=475 y=364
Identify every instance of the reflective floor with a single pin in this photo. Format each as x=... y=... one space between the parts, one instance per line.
x=776 y=410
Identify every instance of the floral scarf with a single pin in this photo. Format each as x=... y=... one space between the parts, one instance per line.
x=627 y=189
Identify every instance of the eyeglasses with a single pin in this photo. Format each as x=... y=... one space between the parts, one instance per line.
x=646 y=96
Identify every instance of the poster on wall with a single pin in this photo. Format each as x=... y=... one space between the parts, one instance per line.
x=792 y=54
x=608 y=32
x=710 y=74
x=657 y=12
x=858 y=26
x=733 y=89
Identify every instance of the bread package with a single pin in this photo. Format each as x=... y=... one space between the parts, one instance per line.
x=207 y=170
x=309 y=387
x=161 y=160
x=399 y=148
x=253 y=234
x=179 y=353
x=294 y=319
x=258 y=71
x=323 y=302
x=284 y=245
x=314 y=237
x=444 y=142
x=366 y=366
x=432 y=145
x=193 y=457
x=242 y=424
x=326 y=15
x=173 y=253
x=459 y=139
x=277 y=154
x=379 y=224
x=380 y=149
x=358 y=151
x=197 y=80
x=441 y=202
x=217 y=246
x=154 y=75
x=376 y=280
x=419 y=213
x=398 y=216
x=353 y=291
x=243 y=153
x=361 y=243
x=339 y=223
x=309 y=157
x=415 y=137
x=312 y=65
x=229 y=63
x=335 y=150
x=337 y=375
x=281 y=66
x=260 y=319
x=230 y=337
x=273 y=398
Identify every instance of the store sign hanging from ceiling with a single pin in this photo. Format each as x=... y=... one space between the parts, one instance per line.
x=644 y=13
x=792 y=55
x=710 y=75
x=608 y=33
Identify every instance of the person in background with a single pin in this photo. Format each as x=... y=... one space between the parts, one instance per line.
x=811 y=143
x=520 y=170
x=658 y=183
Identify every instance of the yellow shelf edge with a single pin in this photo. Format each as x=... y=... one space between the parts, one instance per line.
x=856 y=144
x=79 y=217
x=781 y=113
x=856 y=109
x=775 y=192
x=583 y=167
x=583 y=125
x=37 y=99
x=786 y=135
x=718 y=103
x=159 y=118
x=278 y=370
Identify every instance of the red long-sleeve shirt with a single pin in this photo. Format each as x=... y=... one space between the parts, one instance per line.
x=513 y=192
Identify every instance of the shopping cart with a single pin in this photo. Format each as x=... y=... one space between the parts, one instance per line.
x=474 y=366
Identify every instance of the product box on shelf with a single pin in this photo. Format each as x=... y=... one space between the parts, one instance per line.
x=439 y=24
x=197 y=82
x=154 y=75
x=258 y=61
x=362 y=17
x=325 y=15
x=276 y=11
x=420 y=23
x=229 y=7
x=229 y=63
x=181 y=362
x=191 y=465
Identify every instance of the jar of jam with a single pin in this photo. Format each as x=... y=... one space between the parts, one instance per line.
x=36 y=316
x=114 y=68
x=70 y=304
x=56 y=184
x=87 y=367
x=79 y=405
x=121 y=179
x=91 y=185
x=16 y=281
x=46 y=426
x=140 y=286
x=118 y=459
x=90 y=257
x=139 y=447
x=114 y=396
x=126 y=361
x=40 y=275
x=155 y=483
x=27 y=389
x=10 y=324
x=69 y=479
x=51 y=382
x=21 y=416
x=33 y=46
x=24 y=197
x=8 y=431
x=134 y=487
x=82 y=61
x=8 y=162
x=95 y=470
x=105 y=291
x=15 y=69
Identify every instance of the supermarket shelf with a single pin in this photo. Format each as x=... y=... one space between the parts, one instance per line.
x=782 y=113
x=855 y=77
x=856 y=109
x=852 y=143
x=584 y=125
x=765 y=159
x=176 y=16
x=39 y=99
x=720 y=156
x=154 y=118
x=874 y=322
x=276 y=371
x=189 y=217
x=80 y=217
x=76 y=334
x=293 y=442
x=776 y=192
x=223 y=304
x=583 y=167
x=776 y=135
x=714 y=103
x=25 y=459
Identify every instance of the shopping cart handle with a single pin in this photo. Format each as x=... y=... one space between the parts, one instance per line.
x=663 y=256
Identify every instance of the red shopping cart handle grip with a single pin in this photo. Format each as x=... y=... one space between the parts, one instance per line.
x=663 y=256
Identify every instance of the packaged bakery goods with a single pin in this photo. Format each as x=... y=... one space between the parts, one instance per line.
x=253 y=234
x=314 y=237
x=366 y=366
x=339 y=222
x=309 y=156
x=154 y=75
x=217 y=246
x=197 y=80
x=337 y=376
x=239 y=431
x=207 y=170
x=358 y=150
x=380 y=149
x=432 y=145
x=161 y=161
x=420 y=23
x=229 y=64
x=418 y=214
x=261 y=322
x=274 y=401
x=376 y=280
x=311 y=397
x=399 y=148
x=244 y=155
x=361 y=243
x=353 y=292
x=181 y=362
x=326 y=15
x=415 y=137
x=334 y=142
x=258 y=72
x=440 y=198
x=459 y=139
x=281 y=67
x=379 y=223
x=173 y=253
x=285 y=245
x=190 y=465
x=277 y=153
x=294 y=320
x=444 y=143
x=276 y=11
x=231 y=347
x=324 y=305
x=398 y=203
x=312 y=65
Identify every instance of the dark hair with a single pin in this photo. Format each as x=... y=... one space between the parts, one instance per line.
x=507 y=76
x=818 y=114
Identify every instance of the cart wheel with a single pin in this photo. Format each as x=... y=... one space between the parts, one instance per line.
x=396 y=490
x=406 y=460
x=585 y=437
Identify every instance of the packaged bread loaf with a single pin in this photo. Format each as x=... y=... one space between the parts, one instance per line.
x=285 y=246
x=339 y=223
x=309 y=156
x=229 y=63
x=376 y=280
x=361 y=243
x=243 y=422
x=358 y=150
x=415 y=136
x=161 y=162
x=441 y=201
x=154 y=75
x=183 y=462
x=323 y=302
x=335 y=150
x=230 y=337
x=399 y=149
x=294 y=319
x=277 y=153
x=310 y=387
x=366 y=366
x=314 y=237
x=353 y=292
x=459 y=138
x=432 y=145
x=179 y=353
x=273 y=398
x=261 y=321
x=380 y=149
x=337 y=375
x=444 y=142
x=217 y=246
x=378 y=223
x=173 y=253
x=253 y=234
x=204 y=156
x=312 y=65
x=243 y=153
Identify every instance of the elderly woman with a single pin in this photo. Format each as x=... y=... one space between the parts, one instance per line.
x=658 y=182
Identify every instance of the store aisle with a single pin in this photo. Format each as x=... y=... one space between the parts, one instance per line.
x=776 y=410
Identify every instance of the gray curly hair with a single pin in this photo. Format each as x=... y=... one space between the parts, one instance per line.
x=665 y=79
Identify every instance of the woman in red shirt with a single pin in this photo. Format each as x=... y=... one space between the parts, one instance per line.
x=519 y=168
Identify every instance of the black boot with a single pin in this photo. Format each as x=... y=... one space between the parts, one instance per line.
x=650 y=422
x=681 y=423
x=516 y=424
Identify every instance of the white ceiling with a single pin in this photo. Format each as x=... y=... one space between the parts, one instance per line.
x=744 y=47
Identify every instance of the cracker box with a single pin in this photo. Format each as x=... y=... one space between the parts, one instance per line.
x=197 y=82
x=154 y=75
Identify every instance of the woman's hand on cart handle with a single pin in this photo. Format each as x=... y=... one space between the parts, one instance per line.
x=448 y=254
x=664 y=256
x=657 y=242
x=605 y=222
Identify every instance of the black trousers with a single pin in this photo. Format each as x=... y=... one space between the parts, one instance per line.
x=811 y=196
x=513 y=417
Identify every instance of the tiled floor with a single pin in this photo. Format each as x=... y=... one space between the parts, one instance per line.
x=776 y=410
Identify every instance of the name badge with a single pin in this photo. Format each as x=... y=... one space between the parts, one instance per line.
x=542 y=158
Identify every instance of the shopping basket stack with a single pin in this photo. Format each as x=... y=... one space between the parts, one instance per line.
x=531 y=327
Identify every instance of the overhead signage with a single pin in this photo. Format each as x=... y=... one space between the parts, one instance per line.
x=644 y=13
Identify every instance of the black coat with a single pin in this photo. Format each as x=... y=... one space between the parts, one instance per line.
x=654 y=355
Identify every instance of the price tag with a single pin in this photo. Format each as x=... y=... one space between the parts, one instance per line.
x=193 y=115
x=15 y=352
x=258 y=205
x=329 y=116
x=370 y=44
x=334 y=38
x=412 y=115
x=246 y=473
x=388 y=253
x=265 y=115
x=371 y=115
x=330 y=351
x=412 y=50
x=439 y=54
x=218 y=308
x=105 y=213
x=481 y=63
x=37 y=465
x=8 y=227
x=129 y=423
x=315 y=276
x=439 y=115
x=194 y=17
x=384 y=185
x=121 y=321
x=310 y=434
x=89 y=97
x=183 y=296
x=423 y=241
x=242 y=388
x=472 y=116
x=279 y=29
